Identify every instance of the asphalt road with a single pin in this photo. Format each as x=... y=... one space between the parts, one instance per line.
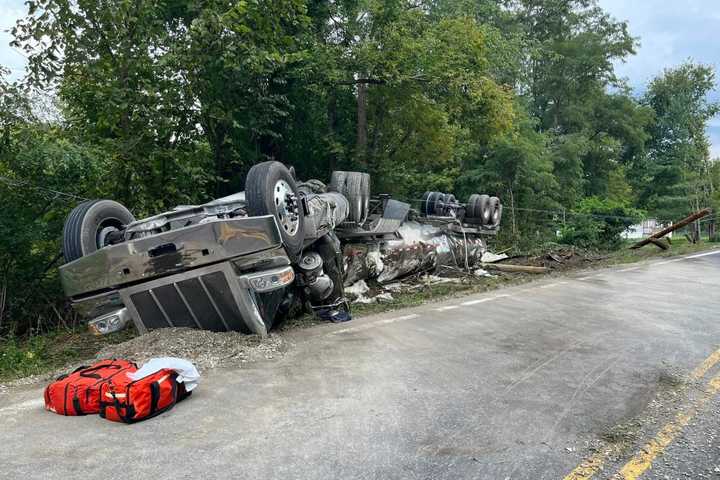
x=576 y=378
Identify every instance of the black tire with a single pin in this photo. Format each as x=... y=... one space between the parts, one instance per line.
x=337 y=181
x=355 y=186
x=495 y=211
x=439 y=207
x=473 y=210
x=431 y=202
x=484 y=206
x=87 y=226
x=365 y=187
x=424 y=204
x=263 y=182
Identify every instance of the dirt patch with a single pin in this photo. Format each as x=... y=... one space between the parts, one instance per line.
x=558 y=258
x=672 y=390
x=623 y=434
x=204 y=348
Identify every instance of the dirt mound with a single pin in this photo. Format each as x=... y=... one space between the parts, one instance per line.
x=204 y=348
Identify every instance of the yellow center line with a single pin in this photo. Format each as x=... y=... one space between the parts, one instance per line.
x=590 y=465
x=703 y=368
x=644 y=458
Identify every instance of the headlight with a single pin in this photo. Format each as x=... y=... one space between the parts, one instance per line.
x=110 y=323
x=271 y=280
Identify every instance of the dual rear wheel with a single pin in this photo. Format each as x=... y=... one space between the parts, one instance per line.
x=484 y=210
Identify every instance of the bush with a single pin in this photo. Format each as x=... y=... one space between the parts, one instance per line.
x=599 y=223
x=20 y=359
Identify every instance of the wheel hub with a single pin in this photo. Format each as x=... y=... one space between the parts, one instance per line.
x=286 y=206
x=102 y=236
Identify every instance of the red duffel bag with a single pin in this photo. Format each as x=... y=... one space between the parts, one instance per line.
x=126 y=400
x=78 y=393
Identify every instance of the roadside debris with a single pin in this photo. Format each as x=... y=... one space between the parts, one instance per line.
x=516 y=268
x=489 y=257
x=655 y=238
x=555 y=258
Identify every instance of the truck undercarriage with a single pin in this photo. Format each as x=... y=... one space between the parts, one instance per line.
x=244 y=262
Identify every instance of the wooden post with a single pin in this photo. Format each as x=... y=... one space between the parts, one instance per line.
x=659 y=243
x=514 y=268
x=686 y=221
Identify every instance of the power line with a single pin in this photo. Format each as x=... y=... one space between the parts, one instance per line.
x=22 y=183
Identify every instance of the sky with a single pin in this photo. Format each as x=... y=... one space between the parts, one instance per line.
x=670 y=32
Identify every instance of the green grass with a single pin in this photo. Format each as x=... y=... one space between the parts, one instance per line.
x=48 y=352
x=680 y=246
x=41 y=354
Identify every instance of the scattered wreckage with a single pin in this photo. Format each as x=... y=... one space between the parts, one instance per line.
x=246 y=261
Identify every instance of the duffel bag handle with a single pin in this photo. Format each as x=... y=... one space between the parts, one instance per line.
x=65 y=375
x=87 y=373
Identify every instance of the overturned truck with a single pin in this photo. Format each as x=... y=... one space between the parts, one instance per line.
x=247 y=261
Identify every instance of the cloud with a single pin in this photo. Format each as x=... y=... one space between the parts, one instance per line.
x=671 y=32
x=10 y=11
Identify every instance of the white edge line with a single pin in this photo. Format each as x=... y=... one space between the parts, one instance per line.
x=707 y=254
x=449 y=307
x=366 y=326
x=475 y=302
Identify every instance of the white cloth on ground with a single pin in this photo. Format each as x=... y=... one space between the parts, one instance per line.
x=187 y=373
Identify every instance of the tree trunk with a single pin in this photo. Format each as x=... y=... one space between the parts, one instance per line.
x=513 y=212
x=696 y=231
x=711 y=230
x=3 y=299
x=361 y=147
x=332 y=128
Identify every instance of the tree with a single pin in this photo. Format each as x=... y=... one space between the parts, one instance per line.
x=518 y=168
x=674 y=177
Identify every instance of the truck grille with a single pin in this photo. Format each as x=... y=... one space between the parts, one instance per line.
x=191 y=299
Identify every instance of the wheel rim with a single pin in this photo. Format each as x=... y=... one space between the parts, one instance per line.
x=286 y=207
x=107 y=227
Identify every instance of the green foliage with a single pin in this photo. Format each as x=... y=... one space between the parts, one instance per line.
x=673 y=177
x=599 y=223
x=20 y=359
x=164 y=103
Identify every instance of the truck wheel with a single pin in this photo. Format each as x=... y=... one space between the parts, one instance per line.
x=424 y=203
x=271 y=190
x=89 y=225
x=430 y=202
x=355 y=186
x=365 y=187
x=495 y=211
x=484 y=206
x=440 y=202
x=472 y=209
x=337 y=181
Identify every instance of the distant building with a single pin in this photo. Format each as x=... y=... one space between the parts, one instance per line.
x=645 y=229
